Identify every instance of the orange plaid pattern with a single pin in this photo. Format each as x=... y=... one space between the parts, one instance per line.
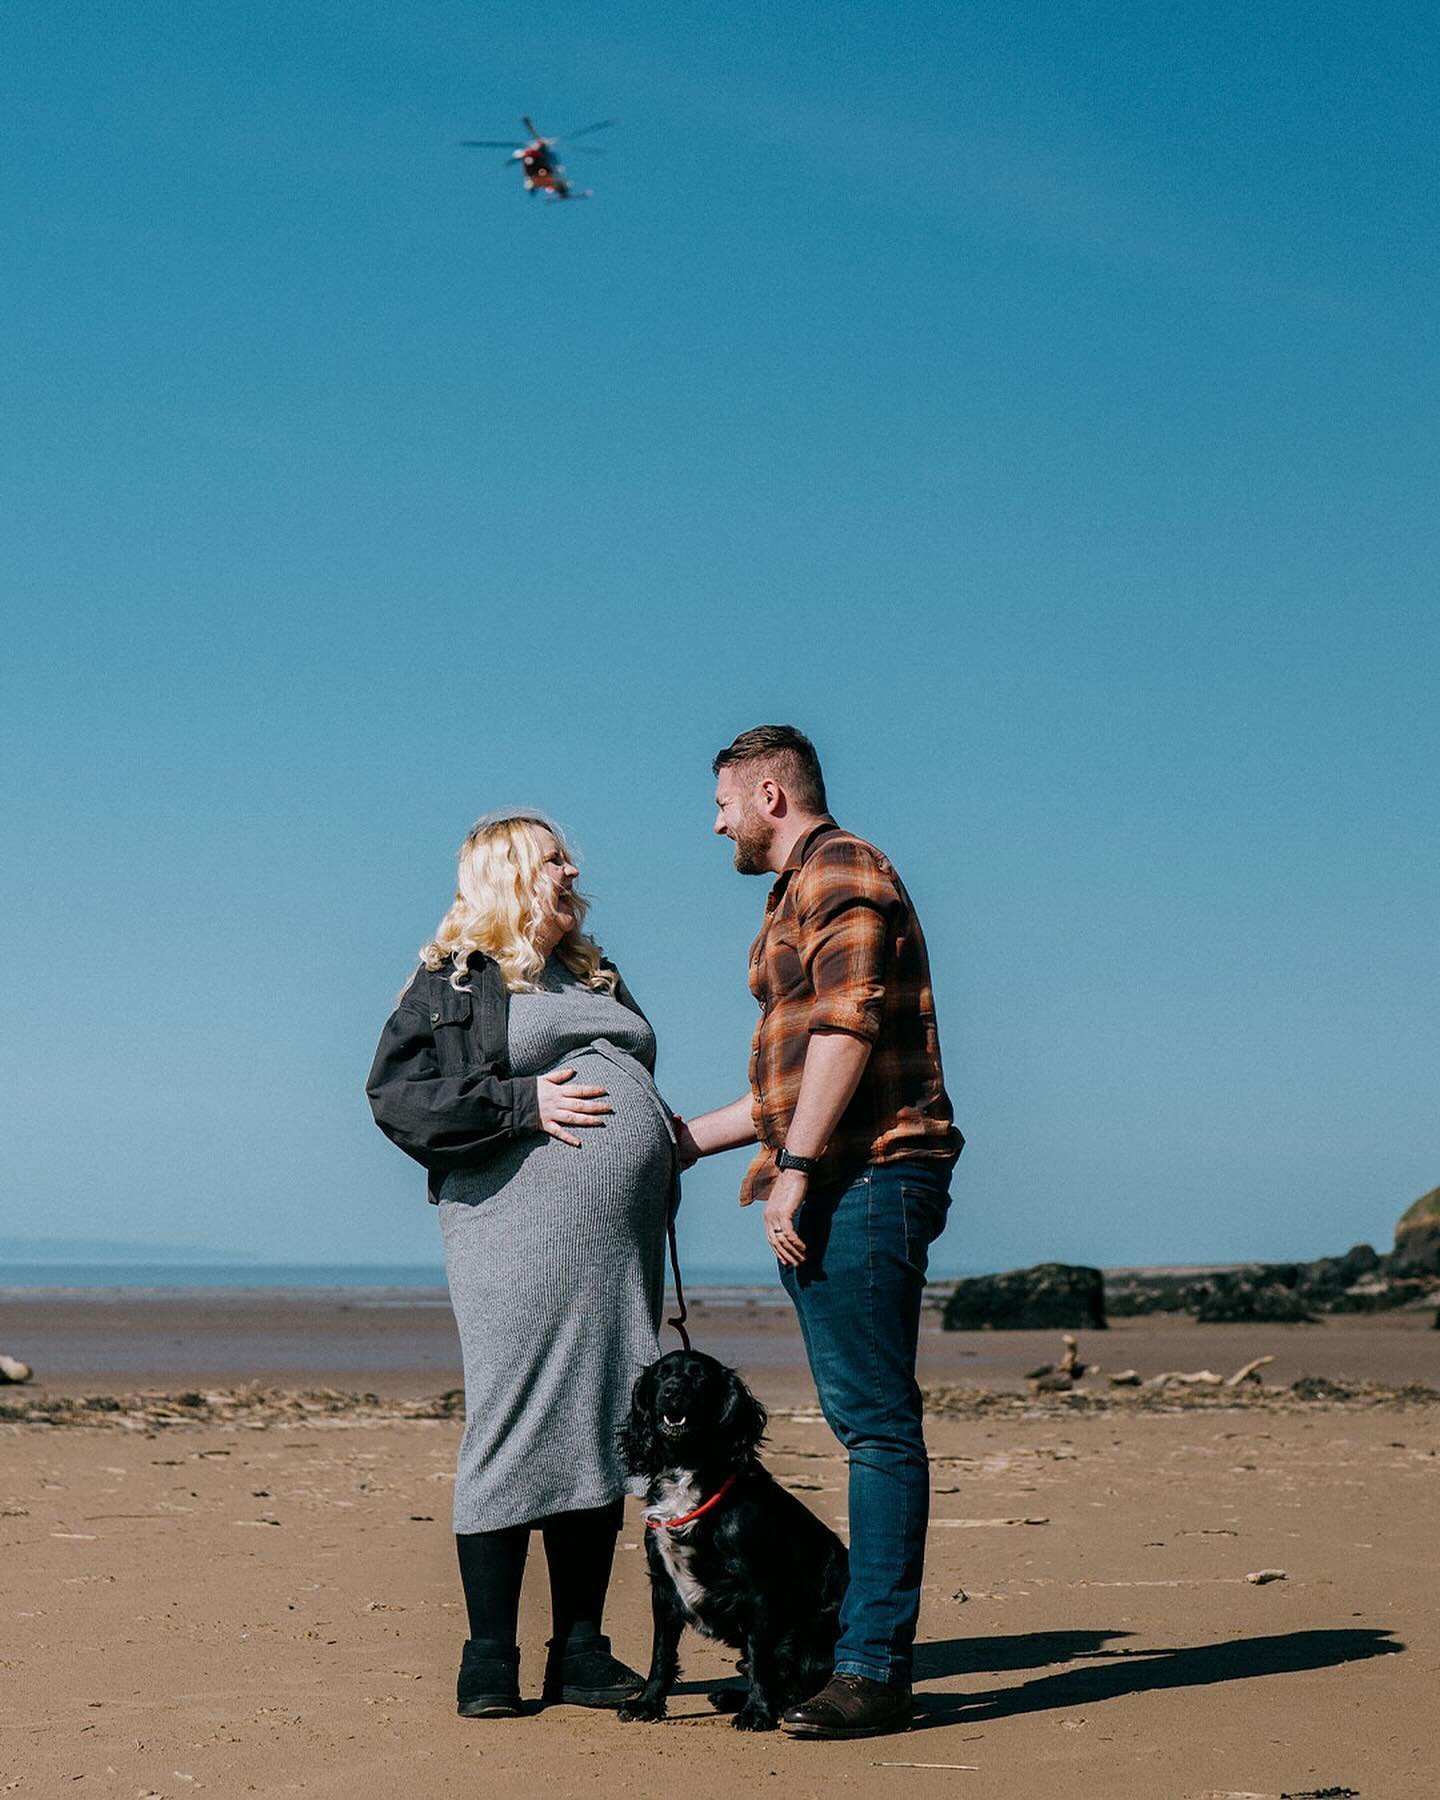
x=842 y=950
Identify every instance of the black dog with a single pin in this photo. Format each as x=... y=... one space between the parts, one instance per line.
x=730 y=1552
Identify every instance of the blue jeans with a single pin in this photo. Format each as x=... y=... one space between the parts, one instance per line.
x=857 y=1295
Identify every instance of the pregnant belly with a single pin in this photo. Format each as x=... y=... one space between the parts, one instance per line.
x=633 y=1135
x=619 y=1168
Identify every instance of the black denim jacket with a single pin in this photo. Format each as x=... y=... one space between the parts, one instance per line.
x=440 y=1085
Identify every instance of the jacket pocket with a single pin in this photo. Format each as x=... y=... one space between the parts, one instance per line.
x=450 y=1016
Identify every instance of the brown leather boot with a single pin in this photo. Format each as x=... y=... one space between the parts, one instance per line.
x=850 y=1706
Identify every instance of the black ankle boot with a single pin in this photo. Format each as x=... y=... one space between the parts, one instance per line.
x=488 y=1686
x=586 y=1674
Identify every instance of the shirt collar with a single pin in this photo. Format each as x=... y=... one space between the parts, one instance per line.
x=800 y=854
x=798 y=857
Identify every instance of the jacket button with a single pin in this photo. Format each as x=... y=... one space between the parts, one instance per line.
x=435 y=1018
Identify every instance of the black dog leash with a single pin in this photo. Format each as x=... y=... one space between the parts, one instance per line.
x=684 y=1313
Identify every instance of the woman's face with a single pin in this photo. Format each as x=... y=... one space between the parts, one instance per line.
x=558 y=876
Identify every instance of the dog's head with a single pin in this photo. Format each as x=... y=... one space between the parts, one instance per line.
x=689 y=1411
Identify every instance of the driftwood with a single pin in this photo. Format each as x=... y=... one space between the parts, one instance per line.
x=13 y=1370
x=1260 y=1577
x=1250 y=1372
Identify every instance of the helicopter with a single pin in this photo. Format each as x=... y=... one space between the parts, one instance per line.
x=544 y=173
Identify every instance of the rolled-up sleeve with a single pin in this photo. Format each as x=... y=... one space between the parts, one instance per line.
x=443 y=1121
x=845 y=904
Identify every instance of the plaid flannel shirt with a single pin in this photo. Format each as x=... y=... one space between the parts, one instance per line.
x=841 y=950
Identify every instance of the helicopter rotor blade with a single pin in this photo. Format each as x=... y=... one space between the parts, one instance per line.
x=530 y=126
x=585 y=130
x=490 y=144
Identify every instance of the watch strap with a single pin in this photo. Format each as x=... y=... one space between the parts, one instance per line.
x=807 y=1165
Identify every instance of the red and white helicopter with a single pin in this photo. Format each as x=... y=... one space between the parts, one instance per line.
x=544 y=173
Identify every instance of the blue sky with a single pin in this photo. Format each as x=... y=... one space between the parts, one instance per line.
x=1037 y=404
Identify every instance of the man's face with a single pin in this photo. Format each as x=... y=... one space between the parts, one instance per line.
x=738 y=818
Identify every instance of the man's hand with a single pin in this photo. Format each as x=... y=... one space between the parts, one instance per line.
x=786 y=1197
x=686 y=1149
x=561 y=1106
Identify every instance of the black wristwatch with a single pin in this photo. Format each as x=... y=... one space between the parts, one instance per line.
x=807 y=1165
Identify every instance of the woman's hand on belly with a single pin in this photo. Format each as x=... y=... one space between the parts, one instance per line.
x=573 y=1107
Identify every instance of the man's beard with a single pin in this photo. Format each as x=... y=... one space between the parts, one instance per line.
x=753 y=838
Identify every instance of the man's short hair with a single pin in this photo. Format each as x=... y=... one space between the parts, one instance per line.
x=784 y=752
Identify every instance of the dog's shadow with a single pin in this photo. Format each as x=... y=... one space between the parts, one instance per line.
x=1122 y=1670
x=722 y=1684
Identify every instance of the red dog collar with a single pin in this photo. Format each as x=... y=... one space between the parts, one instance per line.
x=686 y=1518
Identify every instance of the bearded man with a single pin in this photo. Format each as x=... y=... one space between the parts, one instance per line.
x=857 y=1142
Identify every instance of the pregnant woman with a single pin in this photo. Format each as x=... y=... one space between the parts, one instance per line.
x=517 y=1070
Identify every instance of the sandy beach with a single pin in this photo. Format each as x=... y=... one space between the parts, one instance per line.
x=261 y=1599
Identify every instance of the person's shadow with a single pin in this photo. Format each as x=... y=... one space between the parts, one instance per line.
x=1124 y=1671
x=972 y=1656
x=1025 y=1650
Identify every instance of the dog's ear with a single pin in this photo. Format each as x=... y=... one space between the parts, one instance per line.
x=639 y=1444
x=742 y=1420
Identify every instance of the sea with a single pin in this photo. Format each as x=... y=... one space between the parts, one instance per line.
x=422 y=1280
x=418 y=1281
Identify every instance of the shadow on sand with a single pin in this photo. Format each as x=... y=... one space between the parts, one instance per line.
x=1124 y=1671
x=1024 y=1650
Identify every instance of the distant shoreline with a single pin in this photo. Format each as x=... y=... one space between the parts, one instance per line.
x=380 y=1283
x=421 y=1281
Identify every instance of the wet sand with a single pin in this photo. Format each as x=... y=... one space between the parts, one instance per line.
x=272 y=1608
x=405 y=1343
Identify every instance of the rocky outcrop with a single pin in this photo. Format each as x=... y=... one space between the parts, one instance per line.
x=1270 y=1292
x=1136 y=1293
x=1069 y=1295
x=1050 y=1295
x=1360 y=1281
x=1280 y=1293
x=1417 y=1238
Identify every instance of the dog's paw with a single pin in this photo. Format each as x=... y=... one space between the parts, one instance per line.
x=726 y=1700
x=753 y=1718
x=642 y=1711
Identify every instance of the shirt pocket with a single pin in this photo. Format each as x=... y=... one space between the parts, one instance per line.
x=784 y=970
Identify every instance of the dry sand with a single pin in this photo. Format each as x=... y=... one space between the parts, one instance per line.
x=271 y=1608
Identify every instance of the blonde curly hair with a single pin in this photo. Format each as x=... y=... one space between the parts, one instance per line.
x=497 y=908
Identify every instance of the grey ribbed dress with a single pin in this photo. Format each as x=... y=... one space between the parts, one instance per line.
x=556 y=1263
